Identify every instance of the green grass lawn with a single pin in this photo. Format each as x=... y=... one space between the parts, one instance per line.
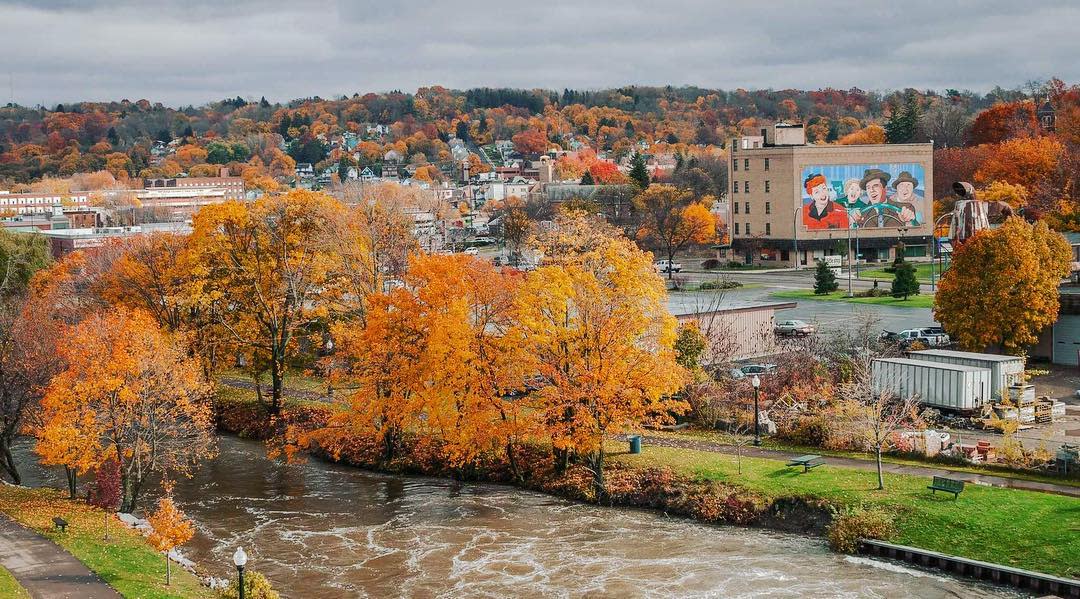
x=693 y=434
x=295 y=379
x=914 y=301
x=1025 y=529
x=10 y=588
x=922 y=272
x=126 y=561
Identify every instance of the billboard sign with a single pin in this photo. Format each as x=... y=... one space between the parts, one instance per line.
x=864 y=196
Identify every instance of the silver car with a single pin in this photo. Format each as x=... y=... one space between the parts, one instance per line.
x=793 y=328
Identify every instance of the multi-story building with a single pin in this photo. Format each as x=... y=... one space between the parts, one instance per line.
x=36 y=203
x=793 y=203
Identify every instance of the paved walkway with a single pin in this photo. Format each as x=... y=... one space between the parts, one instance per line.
x=927 y=471
x=46 y=570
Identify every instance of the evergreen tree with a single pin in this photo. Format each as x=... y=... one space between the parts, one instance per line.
x=587 y=179
x=901 y=127
x=164 y=136
x=113 y=137
x=824 y=279
x=343 y=169
x=638 y=173
x=905 y=283
x=284 y=125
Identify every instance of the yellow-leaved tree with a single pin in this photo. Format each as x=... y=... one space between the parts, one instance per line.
x=599 y=336
x=130 y=392
x=1002 y=287
x=270 y=272
x=673 y=219
x=171 y=528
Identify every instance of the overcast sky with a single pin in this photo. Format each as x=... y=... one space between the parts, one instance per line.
x=201 y=50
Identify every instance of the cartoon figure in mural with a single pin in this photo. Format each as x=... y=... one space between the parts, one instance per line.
x=906 y=199
x=880 y=210
x=822 y=212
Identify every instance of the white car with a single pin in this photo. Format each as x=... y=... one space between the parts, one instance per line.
x=667 y=266
x=794 y=328
x=472 y=251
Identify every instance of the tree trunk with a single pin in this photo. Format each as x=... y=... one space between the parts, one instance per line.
x=9 y=461
x=511 y=458
x=131 y=488
x=277 y=380
x=106 y=525
x=72 y=481
x=168 y=570
x=598 y=474
x=562 y=459
x=880 y=477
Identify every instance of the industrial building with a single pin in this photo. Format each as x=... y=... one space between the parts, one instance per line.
x=735 y=331
x=795 y=203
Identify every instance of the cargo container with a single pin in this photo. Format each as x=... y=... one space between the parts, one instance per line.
x=1005 y=371
x=947 y=386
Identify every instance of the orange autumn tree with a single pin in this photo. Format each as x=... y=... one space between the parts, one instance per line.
x=472 y=360
x=672 y=219
x=128 y=392
x=269 y=272
x=171 y=528
x=599 y=337
x=1002 y=287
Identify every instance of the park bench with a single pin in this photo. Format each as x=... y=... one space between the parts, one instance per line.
x=807 y=462
x=947 y=485
x=60 y=523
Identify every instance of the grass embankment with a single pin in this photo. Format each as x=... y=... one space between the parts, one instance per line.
x=126 y=561
x=914 y=301
x=10 y=588
x=922 y=273
x=1024 y=529
x=692 y=434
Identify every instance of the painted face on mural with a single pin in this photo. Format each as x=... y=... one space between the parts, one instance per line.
x=820 y=193
x=875 y=191
x=852 y=191
x=905 y=192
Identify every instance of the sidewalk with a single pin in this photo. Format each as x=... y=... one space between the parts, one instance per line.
x=46 y=570
x=927 y=471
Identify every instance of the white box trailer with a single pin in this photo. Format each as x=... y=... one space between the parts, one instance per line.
x=947 y=386
x=1005 y=371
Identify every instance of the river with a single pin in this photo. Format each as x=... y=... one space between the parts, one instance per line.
x=323 y=530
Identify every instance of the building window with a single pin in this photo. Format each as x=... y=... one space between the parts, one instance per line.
x=734 y=164
x=768 y=187
x=768 y=208
x=768 y=228
x=747 y=228
x=736 y=207
x=746 y=164
x=766 y=164
x=736 y=224
x=735 y=188
x=746 y=186
x=747 y=207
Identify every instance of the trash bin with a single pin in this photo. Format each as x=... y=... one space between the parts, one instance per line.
x=635 y=444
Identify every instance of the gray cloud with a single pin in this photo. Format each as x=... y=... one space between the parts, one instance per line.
x=199 y=50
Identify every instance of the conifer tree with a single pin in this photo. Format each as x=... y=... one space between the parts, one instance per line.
x=824 y=279
x=638 y=173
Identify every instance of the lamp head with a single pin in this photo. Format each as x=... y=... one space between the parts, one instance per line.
x=239 y=558
x=756 y=382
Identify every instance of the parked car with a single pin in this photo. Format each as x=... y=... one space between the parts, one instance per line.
x=667 y=266
x=751 y=370
x=484 y=240
x=472 y=251
x=794 y=328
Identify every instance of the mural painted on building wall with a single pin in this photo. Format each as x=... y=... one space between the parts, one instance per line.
x=864 y=196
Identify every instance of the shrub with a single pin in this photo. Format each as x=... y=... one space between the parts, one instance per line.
x=849 y=527
x=710 y=264
x=720 y=284
x=734 y=264
x=256 y=586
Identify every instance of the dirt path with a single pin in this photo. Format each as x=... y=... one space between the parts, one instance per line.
x=44 y=569
x=927 y=471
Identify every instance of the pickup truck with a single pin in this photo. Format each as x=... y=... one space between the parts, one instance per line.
x=928 y=337
x=667 y=266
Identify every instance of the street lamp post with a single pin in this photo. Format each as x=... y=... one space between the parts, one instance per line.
x=240 y=559
x=934 y=251
x=849 y=294
x=795 y=230
x=756 y=382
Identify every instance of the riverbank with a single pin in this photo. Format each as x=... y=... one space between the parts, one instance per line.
x=982 y=524
x=914 y=301
x=126 y=561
